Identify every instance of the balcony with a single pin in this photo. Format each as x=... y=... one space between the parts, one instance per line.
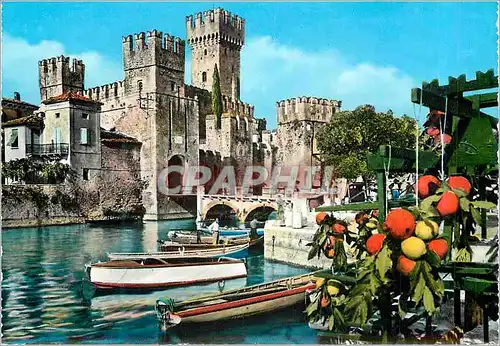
x=47 y=149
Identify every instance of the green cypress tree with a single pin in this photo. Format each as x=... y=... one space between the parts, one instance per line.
x=217 y=97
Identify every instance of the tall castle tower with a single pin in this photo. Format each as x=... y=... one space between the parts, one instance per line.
x=57 y=76
x=216 y=37
x=153 y=62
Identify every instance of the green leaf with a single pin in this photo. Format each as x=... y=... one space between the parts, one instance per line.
x=374 y=284
x=464 y=204
x=401 y=311
x=483 y=205
x=429 y=301
x=427 y=202
x=460 y=193
x=383 y=262
x=330 y=322
x=476 y=215
x=311 y=308
x=436 y=286
x=312 y=252
x=339 y=317
x=419 y=290
x=414 y=273
x=432 y=258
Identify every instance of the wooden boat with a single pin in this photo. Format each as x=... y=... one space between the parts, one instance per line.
x=187 y=237
x=231 y=232
x=155 y=273
x=174 y=250
x=235 y=304
x=190 y=243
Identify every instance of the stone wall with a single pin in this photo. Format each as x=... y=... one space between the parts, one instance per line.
x=39 y=205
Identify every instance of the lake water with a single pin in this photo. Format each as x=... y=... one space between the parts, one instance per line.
x=45 y=298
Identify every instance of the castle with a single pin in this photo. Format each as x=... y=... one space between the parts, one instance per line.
x=170 y=123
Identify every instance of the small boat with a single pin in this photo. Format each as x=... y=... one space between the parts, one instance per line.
x=156 y=273
x=189 y=243
x=231 y=232
x=252 y=300
x=175 y=250
x=187 y=237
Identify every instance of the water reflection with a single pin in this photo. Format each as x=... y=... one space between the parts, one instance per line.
x=45 y=298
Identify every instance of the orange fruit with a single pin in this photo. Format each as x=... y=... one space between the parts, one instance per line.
x=320 y=217
x=433 y=131
x=448 y=204
x=405 y=265
x=374 y=243
x=427 y=185
x=325 y=301
x=330 y=253
x=338 y=228
x=400 y=223
x=439 y=247
x=458 y=182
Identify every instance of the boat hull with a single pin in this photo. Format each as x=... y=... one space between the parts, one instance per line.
x=152 y=278
x=239 y=309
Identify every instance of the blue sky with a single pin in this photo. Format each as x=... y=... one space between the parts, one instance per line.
x=355 y=52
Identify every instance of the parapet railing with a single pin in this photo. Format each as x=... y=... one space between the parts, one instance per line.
x=47 y=149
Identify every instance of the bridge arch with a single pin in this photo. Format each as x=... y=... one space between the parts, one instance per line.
x=258 y=211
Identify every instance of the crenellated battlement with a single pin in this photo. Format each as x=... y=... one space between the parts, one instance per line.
x=153 y=40
x=105 y=92
x=58 y=75
x=236 y=107
x=307 y=108
x=215 y=25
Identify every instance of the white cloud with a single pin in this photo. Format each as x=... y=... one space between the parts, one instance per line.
x=272 y=71
x=20 y=66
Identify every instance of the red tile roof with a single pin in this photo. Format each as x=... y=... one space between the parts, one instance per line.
x=117 y=137
x=30 y=120
x=6 y=101
x=70 y=96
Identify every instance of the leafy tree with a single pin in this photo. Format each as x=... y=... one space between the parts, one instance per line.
x=350 y=135
x=216 y=97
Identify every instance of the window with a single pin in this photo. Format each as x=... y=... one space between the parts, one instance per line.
x=58 y=115
x=204 y=77
x=85 y=116
x=14 y=139
x=225 y=51
x=232 y=68
x=56 y=135
x=84 y=136
x=85 y=174
x=139 y=85
x=172 y=86
x=205 y=52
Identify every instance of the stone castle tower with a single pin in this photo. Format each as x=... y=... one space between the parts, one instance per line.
x=299 y=121
x=155 y=63
x=216 y=37
x=57 y=76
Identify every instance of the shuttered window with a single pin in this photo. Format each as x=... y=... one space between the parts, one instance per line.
x=84 y=136
x=14 y=139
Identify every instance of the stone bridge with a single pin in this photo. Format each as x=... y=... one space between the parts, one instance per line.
x=243 y=206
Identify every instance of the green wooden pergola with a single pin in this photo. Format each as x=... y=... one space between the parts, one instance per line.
x=473 y=151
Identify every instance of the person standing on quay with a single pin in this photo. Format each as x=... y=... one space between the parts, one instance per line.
x=253 y=229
